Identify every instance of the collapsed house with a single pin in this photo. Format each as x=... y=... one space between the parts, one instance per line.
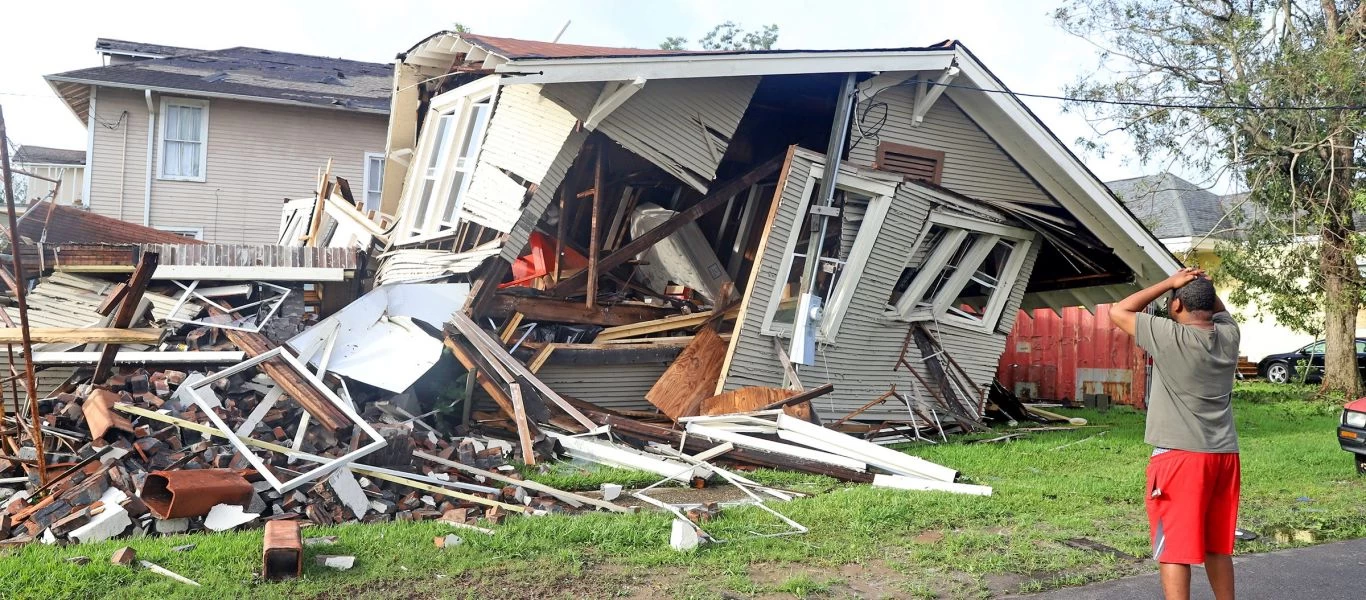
x=647 y=192
x=717 y=260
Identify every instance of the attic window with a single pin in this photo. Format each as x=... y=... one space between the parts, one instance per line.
x=917 y=163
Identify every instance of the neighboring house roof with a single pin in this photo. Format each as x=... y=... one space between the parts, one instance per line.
x=512 y=48
x=140 y=49
x=1172 y=207
x=52 y=223
x=40 y=155
x=241 y=73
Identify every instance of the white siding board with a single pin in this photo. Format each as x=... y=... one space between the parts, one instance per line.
x=861 y=364
x=258 y=155
x=544 y=194
x=493 y=199
x=974 y=165
x=525 y=133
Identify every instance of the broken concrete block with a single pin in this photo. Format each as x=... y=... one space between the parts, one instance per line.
x=124 y=556
x=340 y=563
x=48 y=537
x=113 y=521
x=223 y=517
x=349 y=492
x=169 y=526
x=611 y=491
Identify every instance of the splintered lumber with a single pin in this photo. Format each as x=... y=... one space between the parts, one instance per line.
x=504 y=304
x=279 y=371
x=465 y=357
x=366 y=470
x=716 y=197
x=568 y=497
x=128 y=308
x=523 y=429
x=666 y=324
x=679 y=392
x=630 y=428
x=84 y=335
x=493 y=350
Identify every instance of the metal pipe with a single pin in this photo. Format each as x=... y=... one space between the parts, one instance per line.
x=151 y=147
x=18 y=264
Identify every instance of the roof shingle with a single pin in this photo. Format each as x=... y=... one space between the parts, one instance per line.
x=42 y=155
x=52 y=223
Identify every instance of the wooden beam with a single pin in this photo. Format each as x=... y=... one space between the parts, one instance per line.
x=494 y=351
x=523 y=427
x=564 y=311
x=128 y=308
x=279 y=371
x=666 y=324
x=84 y=335
x=484 y=288
x=716 y=198
x=112 y=300
x=594 y=244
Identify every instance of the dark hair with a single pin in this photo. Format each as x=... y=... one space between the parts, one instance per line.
x=1197 y=296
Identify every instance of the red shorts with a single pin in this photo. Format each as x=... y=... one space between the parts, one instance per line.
x=1192 y=505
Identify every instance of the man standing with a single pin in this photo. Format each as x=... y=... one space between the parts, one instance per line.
x=1193 y=475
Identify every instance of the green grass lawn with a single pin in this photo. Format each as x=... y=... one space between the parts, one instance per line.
x=1297 y=486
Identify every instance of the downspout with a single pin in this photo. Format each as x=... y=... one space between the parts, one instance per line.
x=89 y=148
x=151 y=143
x=123 y=166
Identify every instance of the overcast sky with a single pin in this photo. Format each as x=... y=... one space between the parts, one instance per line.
x=1016 y=39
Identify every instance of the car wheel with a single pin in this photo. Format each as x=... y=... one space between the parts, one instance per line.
x=1278 y=372
x=1361 y=463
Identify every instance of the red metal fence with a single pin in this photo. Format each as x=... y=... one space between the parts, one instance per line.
x=1048 y=357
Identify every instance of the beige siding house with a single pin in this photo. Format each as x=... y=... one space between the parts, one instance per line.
x=209 y=144
x=52 y=174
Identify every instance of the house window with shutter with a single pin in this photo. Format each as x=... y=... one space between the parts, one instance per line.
x=913 y=162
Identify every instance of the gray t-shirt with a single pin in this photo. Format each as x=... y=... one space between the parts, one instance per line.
x=1189 y=405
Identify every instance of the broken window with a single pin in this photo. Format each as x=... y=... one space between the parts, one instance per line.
x=184 y=131
x=838 y=239
x=961 y=271
x=447 y=152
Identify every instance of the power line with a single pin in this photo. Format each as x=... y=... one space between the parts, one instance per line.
x=1145 y=104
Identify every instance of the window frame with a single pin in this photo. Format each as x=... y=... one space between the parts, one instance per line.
x=907 y=306
x=880 y=194
x=203 y=105
x=365 y=180
x=197 y=232
x=459 y=101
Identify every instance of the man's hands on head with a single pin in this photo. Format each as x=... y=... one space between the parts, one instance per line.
x=1123 y=313
x=1180 y=278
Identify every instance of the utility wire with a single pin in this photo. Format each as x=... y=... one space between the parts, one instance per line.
x=1145 y=104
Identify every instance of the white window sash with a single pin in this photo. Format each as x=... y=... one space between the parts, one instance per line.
x=173 y=139
x=847 y=278
x=372 y=185
x=460 y=102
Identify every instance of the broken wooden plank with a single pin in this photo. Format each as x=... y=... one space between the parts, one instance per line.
x=294 y=384
x=84 y=335
x=466 y=358
x=679 y=392
x=128 y=307
x=717 y=197
x=672 y=323
x=523 y=428
x=503 y=305
x=112 y=300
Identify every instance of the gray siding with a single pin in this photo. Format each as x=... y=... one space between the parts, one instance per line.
x=860 y=363
x=617 y=387
x=974 y=165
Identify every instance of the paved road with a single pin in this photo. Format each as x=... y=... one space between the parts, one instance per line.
x=1323 y=572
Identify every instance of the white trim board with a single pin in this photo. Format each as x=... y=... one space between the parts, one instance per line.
x=129 y=357
x=216 y=273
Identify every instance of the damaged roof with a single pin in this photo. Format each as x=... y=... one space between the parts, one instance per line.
x=52 y=223
x=42 y=155
x=140 y=49
x=241 y=73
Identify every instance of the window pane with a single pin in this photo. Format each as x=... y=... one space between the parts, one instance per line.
x=474 y=130
x=189 y=123
x=172 y=123
x=443 y=142
x=420 y=219
x=375 y=177
x=830 y=262
x=922 y=252
x=371 y=200
x=170 y=162
x=453 y=199
x=189 y=159
x=972 y=301
x=941 y=280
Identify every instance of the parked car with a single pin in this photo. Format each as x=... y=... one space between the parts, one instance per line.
x=1282 y=368
x=1352 y=432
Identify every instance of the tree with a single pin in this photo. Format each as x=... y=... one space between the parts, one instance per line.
x=458 y=27
x=729 y=36
x=1269 y=92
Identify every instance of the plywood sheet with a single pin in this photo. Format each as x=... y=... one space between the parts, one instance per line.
x=691 y=378
x=754 y=398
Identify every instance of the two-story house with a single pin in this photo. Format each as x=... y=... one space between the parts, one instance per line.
x=209 y=143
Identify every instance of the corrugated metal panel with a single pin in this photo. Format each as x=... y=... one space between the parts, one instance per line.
x=525 y=133
x=618 y=387
x=974 y=164
x=493 y=199
x=545 y=192
x=860 y=364
x=258 y=154
x=1057 y=358
x=682 y=125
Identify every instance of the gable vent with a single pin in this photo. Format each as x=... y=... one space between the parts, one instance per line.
x=913 y=162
